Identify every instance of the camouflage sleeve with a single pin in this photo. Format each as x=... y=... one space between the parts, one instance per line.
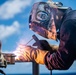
x=64 y=57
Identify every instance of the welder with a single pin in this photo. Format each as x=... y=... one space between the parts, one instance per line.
x=52 y=21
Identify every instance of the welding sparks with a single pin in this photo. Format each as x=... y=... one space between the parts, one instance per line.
x=20 y=52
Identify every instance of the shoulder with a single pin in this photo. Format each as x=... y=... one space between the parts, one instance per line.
x=71 y=15
x=69 y=18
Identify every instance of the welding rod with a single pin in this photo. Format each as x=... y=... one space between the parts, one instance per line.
x=28 y=41
x=33 y=38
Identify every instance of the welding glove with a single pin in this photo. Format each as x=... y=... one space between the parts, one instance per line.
x=44 y=45
x=30 y=54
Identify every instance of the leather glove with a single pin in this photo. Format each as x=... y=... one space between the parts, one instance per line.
x=29 y=54
x=44 y=45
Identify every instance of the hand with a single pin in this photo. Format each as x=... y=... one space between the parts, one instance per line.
x=29 y=54
x=43 y=45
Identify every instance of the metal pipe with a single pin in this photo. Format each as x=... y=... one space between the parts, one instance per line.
x=35 y=68
x=51 y=72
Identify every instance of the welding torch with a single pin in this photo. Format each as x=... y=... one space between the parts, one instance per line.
x=34 y=37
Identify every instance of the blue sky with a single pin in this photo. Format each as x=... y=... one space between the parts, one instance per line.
x=14 y=29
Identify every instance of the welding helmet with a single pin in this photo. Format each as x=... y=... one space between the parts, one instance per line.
x=41 y=20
